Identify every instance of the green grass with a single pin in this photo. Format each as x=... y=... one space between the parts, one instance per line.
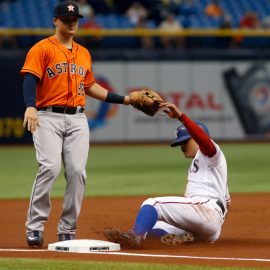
x=34 y=264
x=130 y=170
x=136 y=170
x=248 y=167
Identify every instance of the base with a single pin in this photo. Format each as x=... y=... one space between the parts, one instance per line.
x=84 y=246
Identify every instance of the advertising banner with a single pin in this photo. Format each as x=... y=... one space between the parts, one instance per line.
x=231 y=98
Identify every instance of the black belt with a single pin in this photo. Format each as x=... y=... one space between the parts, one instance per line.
x=219 y=203
x=67 y=110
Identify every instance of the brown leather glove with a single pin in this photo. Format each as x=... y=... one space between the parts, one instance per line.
x=146 y=100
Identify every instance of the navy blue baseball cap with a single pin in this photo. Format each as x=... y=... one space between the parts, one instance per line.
x=182 y=134
x=67 y=8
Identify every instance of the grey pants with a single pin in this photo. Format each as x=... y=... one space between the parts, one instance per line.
x=59 y=137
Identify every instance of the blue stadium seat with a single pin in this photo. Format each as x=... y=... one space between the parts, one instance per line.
x=184 y=20
x=123 y=22
x=151 y=24
x=39 y=13
x=30 y=13
x=102 y=20
x=194 y=22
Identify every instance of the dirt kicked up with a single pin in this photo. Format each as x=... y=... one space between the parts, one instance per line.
x=244 y=241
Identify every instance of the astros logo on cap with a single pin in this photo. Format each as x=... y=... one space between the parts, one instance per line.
x=70 y=8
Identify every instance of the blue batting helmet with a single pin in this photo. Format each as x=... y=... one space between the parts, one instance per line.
x=183 y=135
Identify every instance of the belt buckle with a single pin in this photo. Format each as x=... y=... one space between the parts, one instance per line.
x=73 y=110
x=70 y=110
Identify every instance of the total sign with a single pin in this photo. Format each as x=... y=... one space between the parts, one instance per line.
x=197 y=88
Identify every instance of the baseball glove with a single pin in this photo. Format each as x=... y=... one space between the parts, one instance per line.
x=146 y=100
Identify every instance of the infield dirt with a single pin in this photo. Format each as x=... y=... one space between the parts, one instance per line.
x=245 y=234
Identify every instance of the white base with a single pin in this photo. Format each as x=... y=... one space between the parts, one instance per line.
x=83 y=246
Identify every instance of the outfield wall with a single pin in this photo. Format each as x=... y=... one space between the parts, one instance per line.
x=231 y=97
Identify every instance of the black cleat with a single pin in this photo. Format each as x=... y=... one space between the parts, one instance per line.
x=65 y=237
x=35 y=239
x=126 y=239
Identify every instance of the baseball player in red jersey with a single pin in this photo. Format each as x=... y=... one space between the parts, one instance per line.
x=198 y=215
x=57 y=74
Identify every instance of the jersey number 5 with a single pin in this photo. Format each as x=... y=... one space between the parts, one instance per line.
x=81 y=89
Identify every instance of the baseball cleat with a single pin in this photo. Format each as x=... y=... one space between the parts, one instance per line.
x=174 y=239
x=35 y=239
x=65 y=237
x=126 y=239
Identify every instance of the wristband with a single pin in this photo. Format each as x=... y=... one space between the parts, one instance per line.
x=114 y=98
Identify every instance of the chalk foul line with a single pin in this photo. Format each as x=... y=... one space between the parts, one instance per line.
x=186 y=257
x=148 y=255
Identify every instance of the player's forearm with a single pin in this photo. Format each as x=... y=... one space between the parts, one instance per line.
x=206 y=145
x=96 y=91
x=102 y=94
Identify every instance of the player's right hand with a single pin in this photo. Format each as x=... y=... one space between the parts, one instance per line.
x=30 y=119
x=171 y=110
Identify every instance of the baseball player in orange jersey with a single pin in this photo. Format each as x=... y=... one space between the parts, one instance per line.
x=57 y=74
x=198 y=215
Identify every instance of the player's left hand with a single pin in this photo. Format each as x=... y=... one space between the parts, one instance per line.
x=30 y=119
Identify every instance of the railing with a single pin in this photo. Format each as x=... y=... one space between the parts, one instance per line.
x=141 y=32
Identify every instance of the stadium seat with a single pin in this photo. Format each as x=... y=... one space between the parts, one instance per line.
x=39 y=13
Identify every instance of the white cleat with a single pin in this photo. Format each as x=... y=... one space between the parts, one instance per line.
x=174 y=239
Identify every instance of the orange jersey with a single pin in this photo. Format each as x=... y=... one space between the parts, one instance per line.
x=63 y=74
